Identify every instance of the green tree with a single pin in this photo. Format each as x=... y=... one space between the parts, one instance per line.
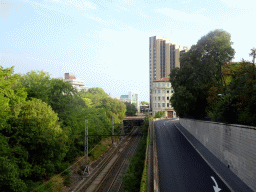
x=115 y=108
x=243 y=90
x=95 y=94
x=10 y=94
x=36 y=84
x=144 y=103
x=98 y=91
x=36 y=139
x=130 y=109
x=63 y=99
x=159 y=114
x=201 y=68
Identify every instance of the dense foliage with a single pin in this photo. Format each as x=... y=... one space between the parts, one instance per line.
x=42 y=126
x=132 y=178
x=130 y=109
x=239 y=103
x=159 y=114
x=209 y=86
x=200 y=69
x=144 y=103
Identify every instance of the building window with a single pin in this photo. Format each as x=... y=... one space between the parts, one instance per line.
x=167 y=84
x=163 y=84
x=167 y=98
x=155 y=98
x=163 y=104
x=155 y=104
x=172 y=91
x=167 y=91
x=163 y=91
x=167 y=104
x=158 y=98
x=158 y=91
x=163 y=98
x=155 y=91
x=158 y=84
x=159 y=105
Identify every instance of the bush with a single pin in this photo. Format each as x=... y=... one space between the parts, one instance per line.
x=67 y=175
x=159 y=114
x=132 y=177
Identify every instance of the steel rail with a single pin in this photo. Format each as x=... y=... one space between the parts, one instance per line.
x=131 y=151
x=119 y=156
x=101 y=165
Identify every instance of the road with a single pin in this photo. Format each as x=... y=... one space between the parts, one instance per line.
x=181 y=168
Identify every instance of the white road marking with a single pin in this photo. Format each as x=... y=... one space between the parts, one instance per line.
x=216 y=188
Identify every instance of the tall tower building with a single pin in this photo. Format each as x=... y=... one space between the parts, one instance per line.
x=164 y=55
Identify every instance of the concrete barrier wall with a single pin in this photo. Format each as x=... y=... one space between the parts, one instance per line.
x=234 y=145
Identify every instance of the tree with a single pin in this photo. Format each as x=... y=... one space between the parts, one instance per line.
x=130 y=109
x=36 y=139
x=159 y=114
x=36 y=84
x=10 y=95
x=201 y=68
x=144 y=103
x=253 y=52
x=63 y=98
x=95 y=94
x=98 y=91
x=115 y=108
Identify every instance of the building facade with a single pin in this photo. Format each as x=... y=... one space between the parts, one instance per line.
x=164 y=55
x=161 y=94
x=70 y=77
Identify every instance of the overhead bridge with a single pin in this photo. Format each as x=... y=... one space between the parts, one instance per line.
x=130 y=122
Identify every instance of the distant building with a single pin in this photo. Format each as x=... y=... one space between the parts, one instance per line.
x=162 y=91
x=70 y=77
x=144 y=108
x=164 y=56
x=131 y=98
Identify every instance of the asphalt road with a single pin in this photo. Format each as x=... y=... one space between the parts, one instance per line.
x=181 y=168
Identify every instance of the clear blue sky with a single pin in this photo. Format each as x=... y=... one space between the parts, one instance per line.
x=105 y=42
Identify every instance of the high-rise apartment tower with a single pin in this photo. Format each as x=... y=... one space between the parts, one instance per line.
x=164 y=55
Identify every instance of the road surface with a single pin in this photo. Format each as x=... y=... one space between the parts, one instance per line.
x=181 y=168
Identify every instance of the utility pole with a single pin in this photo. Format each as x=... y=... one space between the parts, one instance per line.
x=86 y=148
x=113 y=123
x=122 y=129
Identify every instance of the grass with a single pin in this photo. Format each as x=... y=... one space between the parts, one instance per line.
x=58 y=182
x=143 y=184
x=100 y=149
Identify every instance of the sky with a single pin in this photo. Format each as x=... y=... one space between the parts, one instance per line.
x=105 y=43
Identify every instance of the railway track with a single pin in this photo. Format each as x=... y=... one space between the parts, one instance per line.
x=112 y=182
x=93 y=182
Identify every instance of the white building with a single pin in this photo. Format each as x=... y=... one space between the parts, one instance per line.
x=161 y=94
x=70 y=77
